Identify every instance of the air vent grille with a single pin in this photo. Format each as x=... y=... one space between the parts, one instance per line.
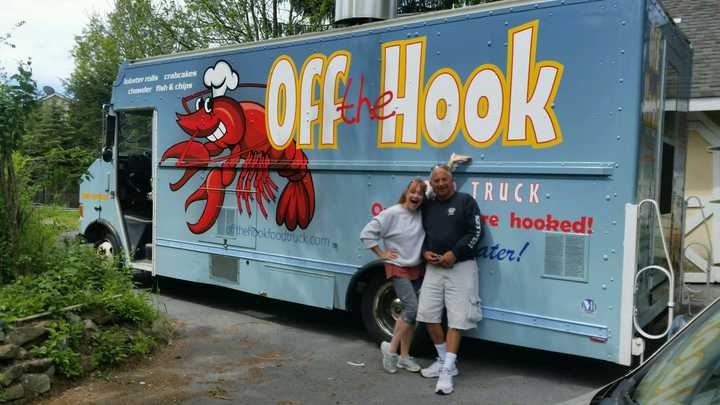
x=566 y=256
x=224 y=268
x=227 y=223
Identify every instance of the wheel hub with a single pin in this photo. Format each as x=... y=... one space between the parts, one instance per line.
x=387 y=307
x=105 y=248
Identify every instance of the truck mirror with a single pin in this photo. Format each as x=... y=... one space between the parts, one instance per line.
x=108 y=126
x=107 y=154
x=109 y=132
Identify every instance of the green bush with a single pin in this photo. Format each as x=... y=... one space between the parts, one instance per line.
x=132 y=308
x=65 y=337
x=110 y=346
x=35 y=247
x=68 y=343
x=77 y=275
x=142 y=343
x=39 y=229
x=115 y=344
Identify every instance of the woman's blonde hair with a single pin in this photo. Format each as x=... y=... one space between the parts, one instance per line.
x=420 y=183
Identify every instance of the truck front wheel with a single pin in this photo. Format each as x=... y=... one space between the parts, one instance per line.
x=380 y=307
x=107 y=245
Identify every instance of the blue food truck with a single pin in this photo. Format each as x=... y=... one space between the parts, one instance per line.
x=254 y=167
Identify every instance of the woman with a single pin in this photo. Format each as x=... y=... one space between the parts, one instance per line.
x=400 y=229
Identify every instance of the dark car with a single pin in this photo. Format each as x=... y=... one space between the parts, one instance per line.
x=686 y=370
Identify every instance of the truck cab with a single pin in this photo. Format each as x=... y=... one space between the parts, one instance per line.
x=116 y=199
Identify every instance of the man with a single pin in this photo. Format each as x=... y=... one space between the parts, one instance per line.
x=453 y=229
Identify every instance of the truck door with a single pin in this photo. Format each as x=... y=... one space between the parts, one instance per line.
x=134 y=179
x=663 y=162
x=672 y=152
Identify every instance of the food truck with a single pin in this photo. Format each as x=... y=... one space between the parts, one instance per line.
x=254 y=167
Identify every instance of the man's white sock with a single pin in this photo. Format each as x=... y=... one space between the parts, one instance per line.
x=449 y=362
x=441 y=350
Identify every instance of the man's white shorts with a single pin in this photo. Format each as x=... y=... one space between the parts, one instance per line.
x=455 y=289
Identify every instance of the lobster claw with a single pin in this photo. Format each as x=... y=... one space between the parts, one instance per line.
x=190 y=154
x=212 y=191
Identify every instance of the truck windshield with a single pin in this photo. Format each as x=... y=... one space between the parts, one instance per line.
x=687 y=371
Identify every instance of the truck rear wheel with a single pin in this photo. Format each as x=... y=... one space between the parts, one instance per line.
x=380 y=307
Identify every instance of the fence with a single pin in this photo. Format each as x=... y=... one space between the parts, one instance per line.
x=64 y=198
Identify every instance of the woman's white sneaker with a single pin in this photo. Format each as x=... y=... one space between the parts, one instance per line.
x=389 y=360
x=409 y=364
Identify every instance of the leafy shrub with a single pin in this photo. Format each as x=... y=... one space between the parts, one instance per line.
x=35 y=248
x=68 y=341
x=142 y=343
x=48 y=275
x=114 y=345
x=133 y=308
x=63 y=337
x=77 y=276
x=110 y=346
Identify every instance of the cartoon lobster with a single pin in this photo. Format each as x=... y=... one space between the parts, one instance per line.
x=239 y=127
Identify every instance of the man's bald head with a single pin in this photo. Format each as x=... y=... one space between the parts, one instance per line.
x=441 y=167
x=441 y=181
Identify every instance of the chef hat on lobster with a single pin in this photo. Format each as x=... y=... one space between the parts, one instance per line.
x=220 y=78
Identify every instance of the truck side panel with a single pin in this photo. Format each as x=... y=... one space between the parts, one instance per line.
x=551 y=257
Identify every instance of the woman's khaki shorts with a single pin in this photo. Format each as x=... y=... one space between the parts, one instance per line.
x=455 y=289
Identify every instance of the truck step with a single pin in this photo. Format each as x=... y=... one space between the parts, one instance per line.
x=142 y=265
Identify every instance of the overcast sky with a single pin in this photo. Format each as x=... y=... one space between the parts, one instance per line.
x=48 y=35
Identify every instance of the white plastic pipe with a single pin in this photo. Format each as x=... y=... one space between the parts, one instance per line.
x=669 y=273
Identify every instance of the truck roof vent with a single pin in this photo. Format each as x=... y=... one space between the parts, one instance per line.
x=356 y=12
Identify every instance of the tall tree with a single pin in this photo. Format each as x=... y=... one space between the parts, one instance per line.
x=128 y=32
x=423 y=6
x=56 y=158
x=205 y=23
x=97 y=58
x=139 y=28
x=6 y=37
x=17 y=99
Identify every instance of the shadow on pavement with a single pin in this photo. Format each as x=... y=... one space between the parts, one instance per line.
x=336 y=322
x=500 y=357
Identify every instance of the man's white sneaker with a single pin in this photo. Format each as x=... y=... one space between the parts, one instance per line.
x=433 y=370
x=409 y=364
x=444 y=385
x=389 y=360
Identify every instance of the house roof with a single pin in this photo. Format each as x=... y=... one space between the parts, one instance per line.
x=54 y=96
x=700 y=21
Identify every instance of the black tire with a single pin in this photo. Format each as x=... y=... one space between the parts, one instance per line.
x=379 y=307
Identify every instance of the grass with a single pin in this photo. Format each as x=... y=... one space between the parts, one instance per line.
x=64 y=219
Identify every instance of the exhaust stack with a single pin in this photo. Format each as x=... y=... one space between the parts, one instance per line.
x=356 y=12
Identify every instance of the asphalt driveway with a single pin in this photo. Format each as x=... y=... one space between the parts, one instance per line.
x=238 y=348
